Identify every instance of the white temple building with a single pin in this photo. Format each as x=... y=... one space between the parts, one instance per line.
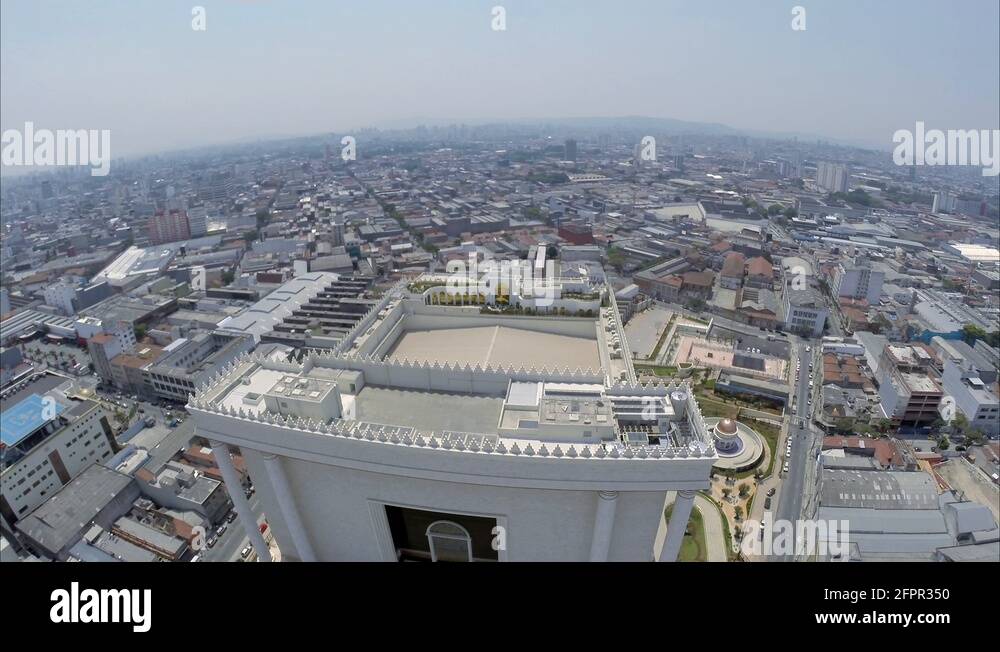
x=446 y=433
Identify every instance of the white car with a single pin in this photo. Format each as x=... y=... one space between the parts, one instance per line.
x=784 y=469
x=245 y=552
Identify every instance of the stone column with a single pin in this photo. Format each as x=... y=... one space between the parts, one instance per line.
x=604 y=525
x=677 y=525
x=289 y=512
x=232 y=481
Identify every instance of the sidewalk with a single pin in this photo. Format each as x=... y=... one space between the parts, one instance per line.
x=712 y=520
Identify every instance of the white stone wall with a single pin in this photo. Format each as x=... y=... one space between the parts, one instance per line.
x=341 y=509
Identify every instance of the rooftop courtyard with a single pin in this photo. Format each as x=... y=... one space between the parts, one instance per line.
x=497 y=346
x=427 y=411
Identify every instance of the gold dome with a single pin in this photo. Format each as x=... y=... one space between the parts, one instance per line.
x=726 y=427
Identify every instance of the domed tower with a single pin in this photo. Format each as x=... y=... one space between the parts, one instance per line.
x=727 y=437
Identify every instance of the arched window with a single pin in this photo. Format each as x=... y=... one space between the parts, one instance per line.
x=449 y=541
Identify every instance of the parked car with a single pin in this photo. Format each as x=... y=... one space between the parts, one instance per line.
x=212 y=540
x=245 y=552
x=221 y=530
x=767 y=502
x=230 y=517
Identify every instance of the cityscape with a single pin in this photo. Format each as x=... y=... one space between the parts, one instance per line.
x=598 y=336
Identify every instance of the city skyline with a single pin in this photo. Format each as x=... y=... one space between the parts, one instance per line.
x=264 y=70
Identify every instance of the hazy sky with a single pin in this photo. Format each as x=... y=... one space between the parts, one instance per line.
x=859 y=71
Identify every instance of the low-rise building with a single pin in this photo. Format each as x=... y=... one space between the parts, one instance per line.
x=189 y=362
x=803 y=311
x=47 y=441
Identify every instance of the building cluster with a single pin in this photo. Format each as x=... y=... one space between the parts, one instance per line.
x=450 y=305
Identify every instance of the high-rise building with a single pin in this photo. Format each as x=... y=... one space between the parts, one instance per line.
x=857 y=280
x=944 y=202
x=169 y=226
x=832 y=177
x=570 y=150
x=114 y=340
x=909 y=390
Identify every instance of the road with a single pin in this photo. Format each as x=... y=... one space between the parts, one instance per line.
x=803 y=437
x=229 y=545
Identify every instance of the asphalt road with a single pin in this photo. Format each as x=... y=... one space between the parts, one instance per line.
x=234 y=539
x=803 y=438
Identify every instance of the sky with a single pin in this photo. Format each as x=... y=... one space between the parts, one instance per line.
x=268 y=68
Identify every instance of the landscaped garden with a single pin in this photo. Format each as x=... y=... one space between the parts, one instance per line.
x=693 y=547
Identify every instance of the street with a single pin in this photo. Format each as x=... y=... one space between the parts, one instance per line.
x=233 y=540
x=803 y=439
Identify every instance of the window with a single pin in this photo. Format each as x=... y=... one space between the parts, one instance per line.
x=449 y=541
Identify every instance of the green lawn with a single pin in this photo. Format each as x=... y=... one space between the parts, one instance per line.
x=711 y=407
x=659 y=370
x=771 y=434
x=693 y=548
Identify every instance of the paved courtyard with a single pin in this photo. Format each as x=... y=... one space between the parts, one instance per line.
x=708 y=354
x=644 y=329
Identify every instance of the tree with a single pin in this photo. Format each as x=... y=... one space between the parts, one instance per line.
x=616 y=258
x=697 y=304
x=971 y=333
x=960 y=425
x=140 y=331
x=738 y=511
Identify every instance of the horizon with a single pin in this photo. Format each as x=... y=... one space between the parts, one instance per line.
x=161 y=86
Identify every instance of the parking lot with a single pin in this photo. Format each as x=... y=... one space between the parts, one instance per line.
x=63 y=355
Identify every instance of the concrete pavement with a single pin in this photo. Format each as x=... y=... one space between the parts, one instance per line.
x=712 y=520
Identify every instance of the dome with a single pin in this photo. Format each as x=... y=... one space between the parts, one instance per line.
x=726 y=427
